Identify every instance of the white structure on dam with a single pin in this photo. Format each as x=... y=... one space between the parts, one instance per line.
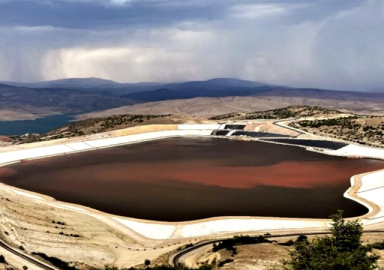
x=371 y=190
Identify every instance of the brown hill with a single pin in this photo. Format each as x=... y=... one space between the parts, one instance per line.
x=5 y=139
x=29 y=103
x=208 y=107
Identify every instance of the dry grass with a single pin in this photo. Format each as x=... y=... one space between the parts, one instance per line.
x=361 y=129
x=207 y=107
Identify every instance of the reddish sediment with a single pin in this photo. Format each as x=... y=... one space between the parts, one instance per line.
x=186 y=179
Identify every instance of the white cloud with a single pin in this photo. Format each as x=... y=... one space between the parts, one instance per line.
x=119 y=2
x=349 y=49
x=255 y=11
x=174 y=57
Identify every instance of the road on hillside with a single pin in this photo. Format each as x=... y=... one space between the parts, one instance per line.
x=25 y=257
x=175 y=258
x=277 y=123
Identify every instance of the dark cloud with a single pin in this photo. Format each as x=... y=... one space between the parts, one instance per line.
x=106 y=14
x=114 y=14
x=322 y=43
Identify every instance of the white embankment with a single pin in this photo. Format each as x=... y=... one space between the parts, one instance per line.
x=361 y=151
x=218 y=226
x=69 y=148
x=372 y=188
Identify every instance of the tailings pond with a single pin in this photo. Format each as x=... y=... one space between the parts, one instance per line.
x=184 y=179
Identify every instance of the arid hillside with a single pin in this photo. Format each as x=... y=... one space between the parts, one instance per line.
x=100 y=98
x=283 y=113
x=208 y=107
x=20 y=103
x=361 y=129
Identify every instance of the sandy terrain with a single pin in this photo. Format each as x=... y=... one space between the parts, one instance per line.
x=30 y=224
x=37 y=226
x=144 y=129
x=215 y=106
x=3 y=144
x=268 y=126
x=15 y=261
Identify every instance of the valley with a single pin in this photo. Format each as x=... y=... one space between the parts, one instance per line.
x=171 y=178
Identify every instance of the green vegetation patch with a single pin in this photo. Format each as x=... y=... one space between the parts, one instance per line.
x=360 y=129
x=282 y=113
x=341 y=251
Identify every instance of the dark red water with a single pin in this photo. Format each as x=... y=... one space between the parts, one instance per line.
x=187 y=179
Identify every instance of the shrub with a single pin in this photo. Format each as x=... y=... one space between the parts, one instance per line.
x=239 y=240
x=55 y=261
x=343 y=250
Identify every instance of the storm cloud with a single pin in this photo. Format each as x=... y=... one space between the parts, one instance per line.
x=324 y=43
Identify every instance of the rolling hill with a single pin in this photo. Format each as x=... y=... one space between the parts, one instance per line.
x=94 y=85
x=81 y=95
x=30 y=103
x=112 y=88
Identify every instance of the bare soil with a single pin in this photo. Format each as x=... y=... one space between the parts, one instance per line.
x=207 y=107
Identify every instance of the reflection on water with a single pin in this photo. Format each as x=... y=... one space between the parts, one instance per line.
x=186 y=179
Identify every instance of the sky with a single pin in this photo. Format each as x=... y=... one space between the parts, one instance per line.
x=333 y=44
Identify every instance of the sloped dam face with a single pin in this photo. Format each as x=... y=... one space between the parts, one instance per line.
x=183 y=179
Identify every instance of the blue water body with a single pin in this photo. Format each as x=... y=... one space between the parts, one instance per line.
x=40 y=125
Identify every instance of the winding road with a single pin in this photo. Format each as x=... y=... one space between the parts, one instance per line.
x=175 y=258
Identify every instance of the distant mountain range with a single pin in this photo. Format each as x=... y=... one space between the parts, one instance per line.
x=78 y=95
x=95 y=85
x=112 y=88
x=28 y=103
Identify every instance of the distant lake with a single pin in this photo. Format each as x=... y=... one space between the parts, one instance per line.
x=40 y=125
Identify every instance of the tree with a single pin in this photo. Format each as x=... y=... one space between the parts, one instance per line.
x=147 y=262
x=341 y=251
x=2 y=259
